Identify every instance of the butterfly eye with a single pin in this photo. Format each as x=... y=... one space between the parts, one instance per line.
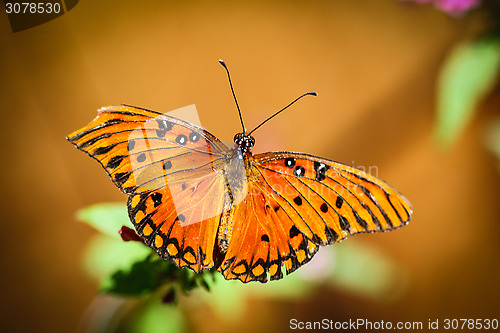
x=239 y=139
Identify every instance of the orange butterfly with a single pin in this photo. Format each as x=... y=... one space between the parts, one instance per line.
x=204 y=205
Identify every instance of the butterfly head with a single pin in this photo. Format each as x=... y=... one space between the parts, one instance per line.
x=245 y=142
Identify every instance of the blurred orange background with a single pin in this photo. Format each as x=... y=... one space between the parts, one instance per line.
x=374 y=66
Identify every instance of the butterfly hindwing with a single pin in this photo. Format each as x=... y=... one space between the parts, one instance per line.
x=264 y=238
x=163 y=228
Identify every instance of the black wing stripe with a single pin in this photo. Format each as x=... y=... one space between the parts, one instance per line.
x=370 y=197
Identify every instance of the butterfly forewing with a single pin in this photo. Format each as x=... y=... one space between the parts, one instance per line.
x=143 y=150
x=333 y=200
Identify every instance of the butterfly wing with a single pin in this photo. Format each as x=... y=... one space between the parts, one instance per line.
x=333 y=200
x=176 y=176
x=170 y=168
x=161 y=224
x=264 y=238
x=298 y=202
x=139 y=147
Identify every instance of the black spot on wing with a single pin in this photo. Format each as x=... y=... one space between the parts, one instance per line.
x=339 y=202
x=181 y=139
x=194 y=137
x=167 y=165
x=297 y=200
x=320 y=170
x=141 y=157
x=156 y=198
x=163 y=127
x=294 y=232
x=289 y=162
x=299 y=171
x=131 y=145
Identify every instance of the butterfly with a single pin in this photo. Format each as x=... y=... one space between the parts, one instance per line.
x=205 y=205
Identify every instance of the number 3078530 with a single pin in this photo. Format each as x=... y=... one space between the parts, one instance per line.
x=32 y=8
x=471 y=324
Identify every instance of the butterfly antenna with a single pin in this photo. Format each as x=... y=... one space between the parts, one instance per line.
x=286 y=107
x=232 y=90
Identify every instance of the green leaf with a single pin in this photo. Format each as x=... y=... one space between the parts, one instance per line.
x=365 y=271
x=228 y=298
x=146 y=275
x=156 y=317
x=493 y=137
x=142 y=278
x=467 y=76
x=105 y=255
x=106 y=218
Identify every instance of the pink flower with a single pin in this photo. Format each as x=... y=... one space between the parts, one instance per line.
x=456 y=7
x=453 y=7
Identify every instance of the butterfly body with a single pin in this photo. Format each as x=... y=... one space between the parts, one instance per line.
x=205 y=205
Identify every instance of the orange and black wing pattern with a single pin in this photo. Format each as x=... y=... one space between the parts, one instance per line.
x=330 y=200
x=143 y=150
x=168 y=167
x=298 y=202
x=265 y=238
x=197 y=203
